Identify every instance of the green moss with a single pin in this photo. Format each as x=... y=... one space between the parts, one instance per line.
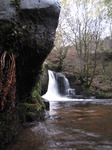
x=35 y=92
x=30 y=116
x=33 y=109
x=15 y=3
x=30 y=112
x=35 y=96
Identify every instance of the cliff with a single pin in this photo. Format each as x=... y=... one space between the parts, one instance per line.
x=27 y=31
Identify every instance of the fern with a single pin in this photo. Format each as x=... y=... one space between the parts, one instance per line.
x=7 y=80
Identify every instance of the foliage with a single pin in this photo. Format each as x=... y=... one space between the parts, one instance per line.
x=7 y=80
x=15 y=3
x=109 y=7
x=86 y=30
x=107 y=1
x=63 y=1
x=35 y=92
x=61 y=49
x=83 y=33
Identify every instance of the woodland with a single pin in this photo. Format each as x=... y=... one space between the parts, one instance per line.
x=83 y=46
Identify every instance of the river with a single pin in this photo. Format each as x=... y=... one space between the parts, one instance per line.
x=70 y=125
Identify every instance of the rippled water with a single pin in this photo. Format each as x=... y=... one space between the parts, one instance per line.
x=83 y=125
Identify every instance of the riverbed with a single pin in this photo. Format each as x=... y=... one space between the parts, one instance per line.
x=70 y=125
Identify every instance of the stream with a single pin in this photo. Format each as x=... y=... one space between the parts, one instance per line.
x=70 y=125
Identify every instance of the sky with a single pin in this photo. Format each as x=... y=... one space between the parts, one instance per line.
x=72 y=13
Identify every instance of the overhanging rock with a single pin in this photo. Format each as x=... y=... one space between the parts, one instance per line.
x=28 y=29
x=6 y=10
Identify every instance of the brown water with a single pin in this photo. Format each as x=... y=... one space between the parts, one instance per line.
x=70 y=126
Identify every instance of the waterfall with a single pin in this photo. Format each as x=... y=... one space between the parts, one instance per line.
x=58 y=87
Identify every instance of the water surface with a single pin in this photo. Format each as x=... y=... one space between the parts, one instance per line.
x=72 y=125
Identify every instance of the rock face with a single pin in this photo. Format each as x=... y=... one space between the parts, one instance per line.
x=6 y=10
x=27 y=28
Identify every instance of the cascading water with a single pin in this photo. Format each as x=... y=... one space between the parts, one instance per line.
x=58 y=87
x=52 y=91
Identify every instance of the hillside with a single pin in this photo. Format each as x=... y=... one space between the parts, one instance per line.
x=101 y=85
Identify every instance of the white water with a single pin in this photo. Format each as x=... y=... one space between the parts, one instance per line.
x=53 y=94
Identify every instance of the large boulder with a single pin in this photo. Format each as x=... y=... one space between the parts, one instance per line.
x=6 y=10
x=27 y=28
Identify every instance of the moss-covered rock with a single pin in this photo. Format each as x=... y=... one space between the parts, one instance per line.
x=27 y=29
x=30 y=112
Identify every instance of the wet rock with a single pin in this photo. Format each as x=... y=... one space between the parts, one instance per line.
x=47 y=104
x=27 y=28
x=6 y=10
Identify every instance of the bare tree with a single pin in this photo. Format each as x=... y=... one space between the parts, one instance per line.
x=60 y=46
x=83 y=31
